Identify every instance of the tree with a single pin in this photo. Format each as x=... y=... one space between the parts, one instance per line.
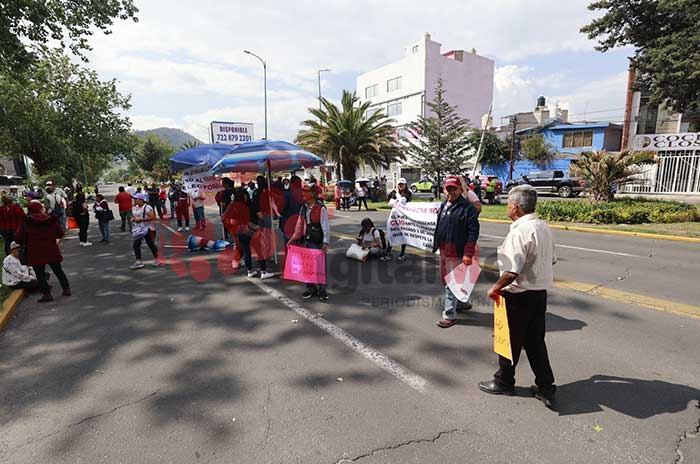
x=350 y=135
x=604 y=171
x=152 y=157
x=493 y=151
x=440 y=139
x=190 y=144
x=63 y=117
x=536 y=149
x=665 y=36
x=27 y=27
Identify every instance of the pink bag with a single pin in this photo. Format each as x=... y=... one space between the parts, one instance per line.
x=306 y=265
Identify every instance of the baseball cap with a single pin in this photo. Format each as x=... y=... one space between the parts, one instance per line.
x=452 y=181
x=15 y=245
x=141 y=196
x=402 y=180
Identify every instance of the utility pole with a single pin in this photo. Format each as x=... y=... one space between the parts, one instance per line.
x=264 y=63
x=319 y=85
x=514 y=122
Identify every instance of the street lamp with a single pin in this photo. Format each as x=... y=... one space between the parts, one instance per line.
x=265 y=83
x=319 y=85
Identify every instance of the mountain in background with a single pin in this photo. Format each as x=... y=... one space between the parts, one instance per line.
x=176 y=137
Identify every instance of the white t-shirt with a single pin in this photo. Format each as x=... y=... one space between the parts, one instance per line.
x=198 y=197
x=131 y=190
x=368 y=238
x=138 y=212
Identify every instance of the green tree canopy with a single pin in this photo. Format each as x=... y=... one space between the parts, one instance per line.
x=536 y=149
x=494 y=150
x=63 y=117
x=667 y=42
x=350 y=135
x=153 y=155
x=441 y=139
x=27 y=26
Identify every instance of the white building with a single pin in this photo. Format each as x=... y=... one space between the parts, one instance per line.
x=402 y=89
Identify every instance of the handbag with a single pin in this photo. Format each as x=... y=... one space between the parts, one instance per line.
x=357 y=253
x=140 y=230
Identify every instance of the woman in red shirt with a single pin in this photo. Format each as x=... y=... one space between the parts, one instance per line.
x=11 y=216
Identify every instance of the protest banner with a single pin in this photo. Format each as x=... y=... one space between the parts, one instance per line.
x=501 y=331
x=412 y=224
x=462 y=279
x=305 y=265
x=201 y=177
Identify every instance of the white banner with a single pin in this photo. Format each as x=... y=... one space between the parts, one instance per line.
x=201 y=178
x=231 y=133
x=667 y=142
x=462 y=279
x=413 y=224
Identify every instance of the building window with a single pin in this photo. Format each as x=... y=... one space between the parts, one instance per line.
x=371 y=111
x=393 y=84
x=371 y=91
x=580 y=139
x=393 y=109
x=415 y=49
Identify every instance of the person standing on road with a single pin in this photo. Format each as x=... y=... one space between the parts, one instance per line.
x=16 y=275
x=39 y=233
x=154 y=199
x=172 y=197
x=526 y=262
x=456 y=234
x=163 y=199
x=144 y=217
x=198 y=197
x=362 y=196
x=182 y=207
x=11 y=216
x=313 y=227
x=491 y=191
x=103 y=215
x=261 y=223
x=477 y=186
x=124 y=200
x=130 y=189
x=401 y=196
x=55 y=202
x=293 y=199
x=81 y=215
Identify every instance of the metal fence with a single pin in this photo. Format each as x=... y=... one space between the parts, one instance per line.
x=673 y=172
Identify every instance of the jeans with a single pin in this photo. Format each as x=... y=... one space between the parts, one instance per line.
x=40 y=272
x=346 y=202
x=245 y=239
x=104 y=228
x=158 y=207
x=198 y=214
x=163 y=206
x=61 y=214
x=8 y=236
x=314 y=288
x=173 y=207
x=83 y=223
x=150 y=241
x=526 y=322
x=126 y=219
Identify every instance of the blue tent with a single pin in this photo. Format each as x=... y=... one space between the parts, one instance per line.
x=273 y=155
x=201 y=155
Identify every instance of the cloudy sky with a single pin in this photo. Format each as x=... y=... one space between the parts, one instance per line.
x=183 y=62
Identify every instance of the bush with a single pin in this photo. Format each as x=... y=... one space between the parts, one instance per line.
x=624 y=211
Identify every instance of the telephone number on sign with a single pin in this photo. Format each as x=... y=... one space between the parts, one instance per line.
x=233 y=138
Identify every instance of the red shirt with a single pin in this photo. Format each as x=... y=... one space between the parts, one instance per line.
x=10 y=217
x=124 y=201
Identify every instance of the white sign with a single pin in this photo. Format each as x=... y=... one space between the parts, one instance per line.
x=462 y=279
x=667 y=142
x=231 y=133
x=200 y=178
x=413 y=224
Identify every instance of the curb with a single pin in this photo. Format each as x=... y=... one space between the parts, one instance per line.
x=10 y=305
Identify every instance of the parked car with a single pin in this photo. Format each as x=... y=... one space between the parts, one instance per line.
x=425 y=184
x=485 y=182
x=551 y=182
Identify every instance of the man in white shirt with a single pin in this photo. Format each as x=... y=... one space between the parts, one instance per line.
x=130 y=189
x=525 y=260
x=16 y=275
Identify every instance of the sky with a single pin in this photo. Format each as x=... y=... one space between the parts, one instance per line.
x=184 y=66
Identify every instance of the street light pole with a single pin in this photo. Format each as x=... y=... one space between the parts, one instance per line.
x=264 y=83
x=319 y=85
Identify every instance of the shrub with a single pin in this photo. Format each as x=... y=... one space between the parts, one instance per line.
x=624 y=211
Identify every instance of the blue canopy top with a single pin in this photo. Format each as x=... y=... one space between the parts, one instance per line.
x=201 y=155
x=277 y=155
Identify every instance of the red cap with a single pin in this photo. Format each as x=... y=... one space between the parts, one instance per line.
x=34 y=206
x=452 y=182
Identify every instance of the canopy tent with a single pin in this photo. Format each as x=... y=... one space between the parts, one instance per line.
x=266 y=155
x=201 y=155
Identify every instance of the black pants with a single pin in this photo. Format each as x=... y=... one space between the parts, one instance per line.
x=8 y=236
x=361 y=200
x=40 y=272
x=83 y=223
x=26 y=285
x=526 y=321
x=150 y=239
x=403 y=249
x=158 y=206
x=345 y=203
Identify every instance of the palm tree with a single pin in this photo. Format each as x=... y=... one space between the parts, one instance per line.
x=603 y=171
x=190 y=144
x=350 y=136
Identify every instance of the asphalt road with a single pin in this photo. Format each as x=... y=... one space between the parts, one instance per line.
x=191 y=363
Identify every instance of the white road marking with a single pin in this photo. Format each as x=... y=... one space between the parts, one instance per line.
x=171 y=230
x=618 y=253
x=380 y=359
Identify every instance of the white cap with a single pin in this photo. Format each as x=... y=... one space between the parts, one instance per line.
x=402 y=180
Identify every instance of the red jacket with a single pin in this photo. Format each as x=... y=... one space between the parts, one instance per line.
x=10 y=217
x=38 y=233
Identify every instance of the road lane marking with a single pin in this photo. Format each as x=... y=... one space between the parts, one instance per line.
x=171 y=230
x=411 y=379
x=593 y=250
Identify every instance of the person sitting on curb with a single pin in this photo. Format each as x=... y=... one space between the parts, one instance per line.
x=313 y=227
x=370 y=238
x=15 y=274
x=456 y=234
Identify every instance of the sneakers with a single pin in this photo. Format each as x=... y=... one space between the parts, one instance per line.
x=307 y=294
x=136 y=265
x=446 y=323
x=158 y=263
x=401 y=258
x=266 y=275
x=179 y=229
x=252 y=274
x=323 y=296
x=85 y=244
x=385 y=258
x=187 y=227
